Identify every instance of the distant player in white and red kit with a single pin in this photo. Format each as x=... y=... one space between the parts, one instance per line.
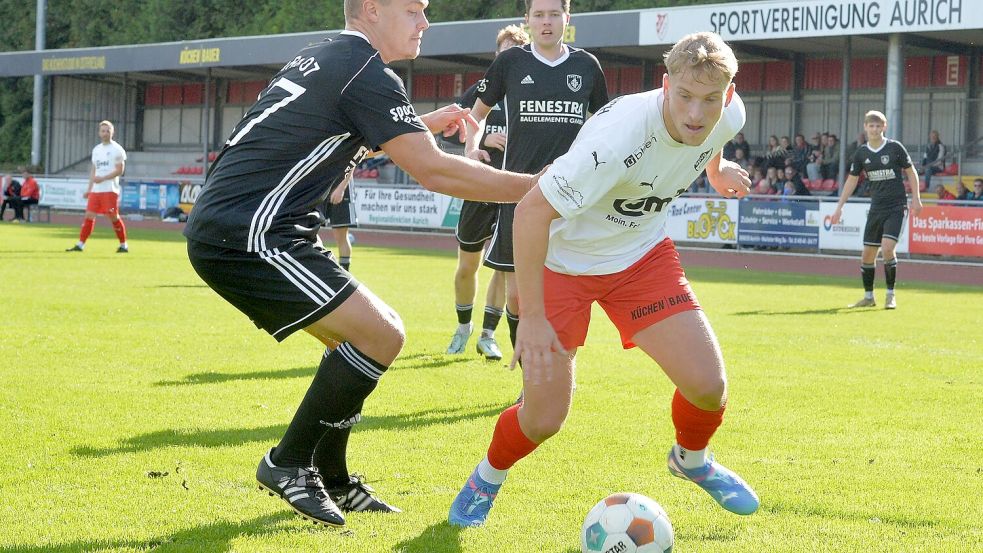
x=108 y=164
x=886 y=163
x=597 y=221
x=548 y=89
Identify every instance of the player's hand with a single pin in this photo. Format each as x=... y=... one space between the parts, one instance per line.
x=732 y=181
x=535 y=343
x=337 y=195
x=450 y=120
x=495 y=140
x=916 y=206
x=85 y=195
x=480 y=155
x=834 y=219
x=96 y=180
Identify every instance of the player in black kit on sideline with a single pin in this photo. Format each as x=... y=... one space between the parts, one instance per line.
x=477 y=225
x=549 y=90
x=252 y=235
x=886 y=163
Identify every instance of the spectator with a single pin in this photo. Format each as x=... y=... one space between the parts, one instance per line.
x=964 y=193
x=741 y=159
x=943 y=194
x=977 y=194
x=934 y=161
x=758 y=183
x=737 y=144
x=10 y=192
x=800 y=154
x=816 y=157
x=852 y=147
x=28 y=195
x=830 y=165
x=793 y=185
x=775 y=157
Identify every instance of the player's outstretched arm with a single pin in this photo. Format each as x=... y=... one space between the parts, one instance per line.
x=417 y=153
x=450 y=120
x=472 y=147
x=728 y=178
x=535 y=339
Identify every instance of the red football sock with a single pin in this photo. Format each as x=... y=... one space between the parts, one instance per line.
x=508 y=444
x=120 y=230
x=694 y=426
x=87 y=226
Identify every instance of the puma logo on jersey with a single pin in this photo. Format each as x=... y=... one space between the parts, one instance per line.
x=527 y=80
x=596 y=162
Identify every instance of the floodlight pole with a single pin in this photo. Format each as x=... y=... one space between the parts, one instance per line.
x=38 y=111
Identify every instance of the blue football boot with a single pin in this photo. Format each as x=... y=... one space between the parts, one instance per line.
x=471 y=506
x=723 y=485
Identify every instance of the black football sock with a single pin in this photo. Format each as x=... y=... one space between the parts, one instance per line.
x=890 y=273
x=867 y=272
x=333 y=401
x=464 y=313
x=513 y=321
x=491 y=319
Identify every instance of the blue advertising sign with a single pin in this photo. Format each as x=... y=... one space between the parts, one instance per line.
x=150 y=196
x=779 y=223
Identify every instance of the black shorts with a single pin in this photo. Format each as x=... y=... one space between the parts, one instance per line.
x=476 y=225
x=282 y=291
x=341 y=214
x=884 y=224
x=500 y=251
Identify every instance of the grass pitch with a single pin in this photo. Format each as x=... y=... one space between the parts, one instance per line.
x=135 y=405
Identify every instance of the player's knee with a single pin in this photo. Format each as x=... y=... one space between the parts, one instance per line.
x=545 y=427
x=709 y=395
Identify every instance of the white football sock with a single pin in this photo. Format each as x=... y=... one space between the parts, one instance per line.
x=690 y=458
x=868 y=295
x=491 y=474
x=487 y=333
x=465 y=328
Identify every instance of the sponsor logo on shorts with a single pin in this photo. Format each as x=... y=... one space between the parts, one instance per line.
x=660 y=305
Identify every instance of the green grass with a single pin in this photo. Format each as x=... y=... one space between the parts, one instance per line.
x=861 y=431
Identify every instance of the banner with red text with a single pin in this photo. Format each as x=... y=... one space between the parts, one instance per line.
x=947 y=230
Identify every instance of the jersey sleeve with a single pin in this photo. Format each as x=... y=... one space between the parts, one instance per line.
x=119 y=154
x=904 y=160
x=377 y=104
x=599 y=92
x=588 y=171
x=491 y=88
x=857 y=163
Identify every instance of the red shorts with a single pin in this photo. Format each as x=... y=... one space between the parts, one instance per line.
x=103 y=202
x=651 y=290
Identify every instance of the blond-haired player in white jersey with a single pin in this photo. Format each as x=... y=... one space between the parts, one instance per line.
x=596 y=221
x=108 y=164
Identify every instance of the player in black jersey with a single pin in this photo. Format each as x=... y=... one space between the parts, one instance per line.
x=886 y=163
x=476 y=225
x=549 y=90
x=252 y=233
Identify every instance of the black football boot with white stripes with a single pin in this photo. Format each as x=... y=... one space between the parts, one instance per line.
x=302 y=488
x=356 y=495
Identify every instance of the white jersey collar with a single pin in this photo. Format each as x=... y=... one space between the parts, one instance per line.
x=355 y=33
x=554 y=63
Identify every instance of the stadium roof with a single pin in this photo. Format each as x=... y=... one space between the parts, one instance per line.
x=767 y=29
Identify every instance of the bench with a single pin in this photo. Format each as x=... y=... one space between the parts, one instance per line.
x=39 y=213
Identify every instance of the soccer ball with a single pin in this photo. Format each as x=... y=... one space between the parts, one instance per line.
x=626 y=523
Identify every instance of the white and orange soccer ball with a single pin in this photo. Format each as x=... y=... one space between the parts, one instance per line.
x=626 y=523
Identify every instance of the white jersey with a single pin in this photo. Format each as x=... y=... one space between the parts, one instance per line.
x=105 y=157
x=613 y=186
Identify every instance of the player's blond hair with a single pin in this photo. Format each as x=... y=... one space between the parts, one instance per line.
x=705 y=55
x=566 y=6
x=108 y=123
x=512 y=33
x=873 y=116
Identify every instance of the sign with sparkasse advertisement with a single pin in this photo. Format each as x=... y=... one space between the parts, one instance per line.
x=947 y=230
x=63 y=193
x=779 y=223
x=848 y=234
x=711 y=221
x=404 y=207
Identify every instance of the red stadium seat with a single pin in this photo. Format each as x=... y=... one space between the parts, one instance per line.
x=829 y=185
x=951 y=169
